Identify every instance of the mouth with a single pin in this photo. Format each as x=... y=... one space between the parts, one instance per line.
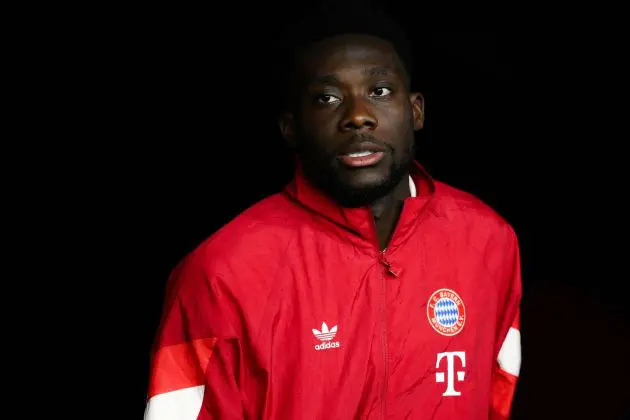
x=362 y=158
x=362 y=154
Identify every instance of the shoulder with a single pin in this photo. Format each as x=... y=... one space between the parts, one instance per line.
x=263 y=229
x=467 y=211
x=481 y=230
x=249 y=248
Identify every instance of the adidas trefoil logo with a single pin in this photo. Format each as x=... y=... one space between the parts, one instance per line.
x=326 y=336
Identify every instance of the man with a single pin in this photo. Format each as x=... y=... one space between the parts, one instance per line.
x=365 y=289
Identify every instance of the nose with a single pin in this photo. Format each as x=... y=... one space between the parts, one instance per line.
x=358 y=116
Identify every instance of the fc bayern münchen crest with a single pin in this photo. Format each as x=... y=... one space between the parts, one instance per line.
x=446 y=312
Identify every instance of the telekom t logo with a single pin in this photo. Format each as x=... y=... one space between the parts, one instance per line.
x=450 y=371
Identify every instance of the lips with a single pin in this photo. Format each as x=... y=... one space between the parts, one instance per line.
x=364 y=154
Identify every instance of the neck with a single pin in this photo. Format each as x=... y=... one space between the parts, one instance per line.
x=387 y=209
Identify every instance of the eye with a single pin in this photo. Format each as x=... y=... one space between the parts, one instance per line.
x=379 y=92
x=327 y=99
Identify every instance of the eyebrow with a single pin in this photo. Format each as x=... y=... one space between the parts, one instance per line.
x=328 y=79
x=370 y=71
x=378 y=71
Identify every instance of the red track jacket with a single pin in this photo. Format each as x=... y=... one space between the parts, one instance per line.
x=291 y=311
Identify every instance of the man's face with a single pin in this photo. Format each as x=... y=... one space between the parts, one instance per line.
x=353 y=118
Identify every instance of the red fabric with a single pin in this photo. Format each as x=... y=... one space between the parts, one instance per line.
x=265 y=284
x=504 y=383
x=180 y=366
x=503 y=388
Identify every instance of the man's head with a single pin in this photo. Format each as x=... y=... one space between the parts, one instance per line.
x=351 y=116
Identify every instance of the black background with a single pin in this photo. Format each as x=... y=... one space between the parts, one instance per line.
x=523 y=119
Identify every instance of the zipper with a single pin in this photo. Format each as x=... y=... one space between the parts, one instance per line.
x=388 y=269
x=384 y=338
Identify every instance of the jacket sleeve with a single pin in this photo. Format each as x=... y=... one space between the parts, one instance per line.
x=194 y=363
x=508 y=356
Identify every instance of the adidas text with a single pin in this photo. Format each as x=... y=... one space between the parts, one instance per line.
x=325 y=346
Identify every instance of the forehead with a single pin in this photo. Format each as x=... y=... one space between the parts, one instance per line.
x=344 y=52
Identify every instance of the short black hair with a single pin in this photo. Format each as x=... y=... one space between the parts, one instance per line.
x=325 y=20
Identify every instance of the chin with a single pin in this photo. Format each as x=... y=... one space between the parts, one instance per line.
x=360 y=190
x=365 y=178
x=355 y=187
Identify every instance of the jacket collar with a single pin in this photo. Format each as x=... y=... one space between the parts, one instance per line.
x=359 y=221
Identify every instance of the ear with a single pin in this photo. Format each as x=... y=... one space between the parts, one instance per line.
x=417 y=108
x=286 y=121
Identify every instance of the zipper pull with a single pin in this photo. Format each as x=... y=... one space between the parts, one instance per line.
x=391 y=270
